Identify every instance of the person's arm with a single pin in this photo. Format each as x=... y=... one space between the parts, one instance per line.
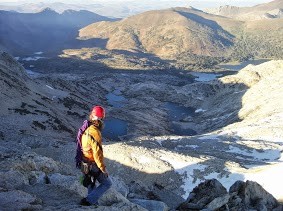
x=97 y=151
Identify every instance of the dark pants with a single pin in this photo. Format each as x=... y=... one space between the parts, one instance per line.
x=94 y=193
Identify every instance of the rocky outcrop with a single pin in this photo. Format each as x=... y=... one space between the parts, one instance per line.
x=211 y=195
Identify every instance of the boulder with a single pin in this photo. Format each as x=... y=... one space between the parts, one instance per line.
x=120 y=186
x=139 y=190
x=112 y=198
x=31 y=162
x=12 y=179
x=19 y=200
x=252 y=195
x=37 y=177
x=151 y=204
x=218 y=202
x=211 y=195
x=204 y=194
x=68 y=182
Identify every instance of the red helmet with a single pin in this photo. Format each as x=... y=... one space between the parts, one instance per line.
x=97 y=113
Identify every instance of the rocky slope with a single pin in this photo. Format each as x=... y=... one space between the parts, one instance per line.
x=237 y=120
x=269 y=10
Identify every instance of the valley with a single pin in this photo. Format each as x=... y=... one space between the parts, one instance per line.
x=189 y=96
x=154 y=118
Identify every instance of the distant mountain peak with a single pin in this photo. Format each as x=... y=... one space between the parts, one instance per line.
x=48 y=10
x=268 y=10
x=70 y=11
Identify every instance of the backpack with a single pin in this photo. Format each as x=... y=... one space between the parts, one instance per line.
x=79 y=152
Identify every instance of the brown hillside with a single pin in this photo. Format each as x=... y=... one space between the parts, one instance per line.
x=165 y=33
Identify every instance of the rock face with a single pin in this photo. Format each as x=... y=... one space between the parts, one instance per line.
x=204 y=194
x=252 y=195
x=211 y=195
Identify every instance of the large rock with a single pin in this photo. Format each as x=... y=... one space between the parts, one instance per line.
x=68 y=182
x=120 y=186
x=112 y=198
x=18 y=200
x=204 y=194
x=252 y=196
x=211 y=195
x=218 y=202
x=151 y=204
x=32 y=162
x=12 y=179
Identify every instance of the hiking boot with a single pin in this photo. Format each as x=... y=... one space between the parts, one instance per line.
x=84 y=202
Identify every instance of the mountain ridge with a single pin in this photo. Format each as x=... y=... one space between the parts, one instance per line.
x=25 y=33
x=180 y=33
x=257 y=12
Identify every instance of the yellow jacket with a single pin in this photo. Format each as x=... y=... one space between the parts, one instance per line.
x=92 y=147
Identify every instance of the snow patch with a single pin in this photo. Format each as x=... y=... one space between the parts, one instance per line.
x=186 y=170
x=270 y=154
x=38 y=53
x=32 y=58
x=199 y=110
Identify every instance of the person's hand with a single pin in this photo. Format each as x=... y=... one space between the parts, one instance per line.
x=105 y=173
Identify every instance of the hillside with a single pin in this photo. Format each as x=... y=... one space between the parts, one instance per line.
x=189 y=36
x=271 y=10
x=165 y=33
x=26 y=33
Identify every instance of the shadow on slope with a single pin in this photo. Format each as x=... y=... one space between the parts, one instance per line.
x=220 y=34
x=46 y=31
x=89 y=60
x=177 y=166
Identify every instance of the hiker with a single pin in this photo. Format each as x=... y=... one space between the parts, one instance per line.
x=90 y=157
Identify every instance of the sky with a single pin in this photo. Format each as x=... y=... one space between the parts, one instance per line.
x=137 y=6
x=192 y=2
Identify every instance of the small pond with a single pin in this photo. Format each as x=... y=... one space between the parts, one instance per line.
x=205 y=76
x=114 y=128
x=177 y=116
